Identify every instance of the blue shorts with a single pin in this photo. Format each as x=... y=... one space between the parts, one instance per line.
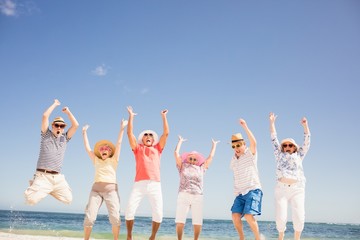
x=249 y=203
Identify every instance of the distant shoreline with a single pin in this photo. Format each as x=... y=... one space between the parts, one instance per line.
x=149 y=216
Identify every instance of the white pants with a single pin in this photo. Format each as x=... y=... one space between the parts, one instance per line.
x=149 y=188
x=44 y=184
x=186 y=201
x=294 y=195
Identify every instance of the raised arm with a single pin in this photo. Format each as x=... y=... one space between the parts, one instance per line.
x=272 y=119
x=165 y=134
x=304 y=123
x=177 y=151
x=250 y=136
x=46 y=115
x=131 y=136
x=119 y=140
x=87 y=144
x=74 y=122
x=209 y=159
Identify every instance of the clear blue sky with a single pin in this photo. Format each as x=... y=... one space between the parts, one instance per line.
x=209 y=63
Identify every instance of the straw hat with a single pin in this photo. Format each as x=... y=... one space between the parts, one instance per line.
x=103 y=143
x=141 y=135
x=290 y=140
x=199 y=157
x=236 y=137
x=58 y=120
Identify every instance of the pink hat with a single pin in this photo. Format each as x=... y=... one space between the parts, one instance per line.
x=200 y=158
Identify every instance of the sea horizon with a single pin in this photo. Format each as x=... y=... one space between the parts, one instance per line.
x=70 y=225
x=170 y=217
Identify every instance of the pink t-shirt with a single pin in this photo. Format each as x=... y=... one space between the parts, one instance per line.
x=147 y=162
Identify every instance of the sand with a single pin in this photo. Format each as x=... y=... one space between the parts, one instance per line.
x=12 y=236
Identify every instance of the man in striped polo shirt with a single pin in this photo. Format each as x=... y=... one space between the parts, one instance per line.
x=47 y=178
x=247 y=187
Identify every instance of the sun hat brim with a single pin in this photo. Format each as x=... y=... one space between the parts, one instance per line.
x=102 y=143
x=290 y=140
x=200 y=158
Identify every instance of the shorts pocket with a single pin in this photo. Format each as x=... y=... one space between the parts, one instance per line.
x=256 y=205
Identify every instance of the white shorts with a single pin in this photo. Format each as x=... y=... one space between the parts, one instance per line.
x=44 y=184
x=149 y=188
x=186 y=201
x=293 y=194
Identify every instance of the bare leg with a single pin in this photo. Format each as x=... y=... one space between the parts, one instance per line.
x=155 y=228
x=116 y=231
x=236 y=218
x=297 y=235
x=180 y=230
x=87 y=233
x=197 y=231
x=281 y=235
x=129 y=227
x=253 y=225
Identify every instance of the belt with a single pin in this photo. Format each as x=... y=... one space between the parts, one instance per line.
x=46 y=171
x=287 y=185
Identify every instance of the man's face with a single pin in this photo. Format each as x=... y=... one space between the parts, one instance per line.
x=239 y=147
x=58 y=128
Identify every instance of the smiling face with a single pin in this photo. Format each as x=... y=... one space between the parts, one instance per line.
x=239 y=147
x=105 y=151
x=148 y=139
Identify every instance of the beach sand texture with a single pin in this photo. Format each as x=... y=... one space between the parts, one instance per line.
x=13 y=236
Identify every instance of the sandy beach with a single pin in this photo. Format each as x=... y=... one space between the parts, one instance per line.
x=12 y=236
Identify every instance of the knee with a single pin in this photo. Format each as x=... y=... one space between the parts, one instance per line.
x=67 y=200
x=157 y=217
x=115 y=220
x=89 y=222
x=30 y=199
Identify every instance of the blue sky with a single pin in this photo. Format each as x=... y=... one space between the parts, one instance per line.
x=209 y=63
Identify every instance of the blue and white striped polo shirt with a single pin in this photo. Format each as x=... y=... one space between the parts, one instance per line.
x=52 y=151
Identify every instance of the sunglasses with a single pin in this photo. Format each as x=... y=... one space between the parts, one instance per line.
x=59 y=125
x=288 y=145
x=148 y=134
x=192 y=159
x=105 y=148
x=236 y=146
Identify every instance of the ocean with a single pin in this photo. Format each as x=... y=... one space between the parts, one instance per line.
x=70 y=225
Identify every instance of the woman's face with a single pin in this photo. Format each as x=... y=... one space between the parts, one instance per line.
x=288 y=147
x=148 y=139
x=191 y=158
x=105 y=151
